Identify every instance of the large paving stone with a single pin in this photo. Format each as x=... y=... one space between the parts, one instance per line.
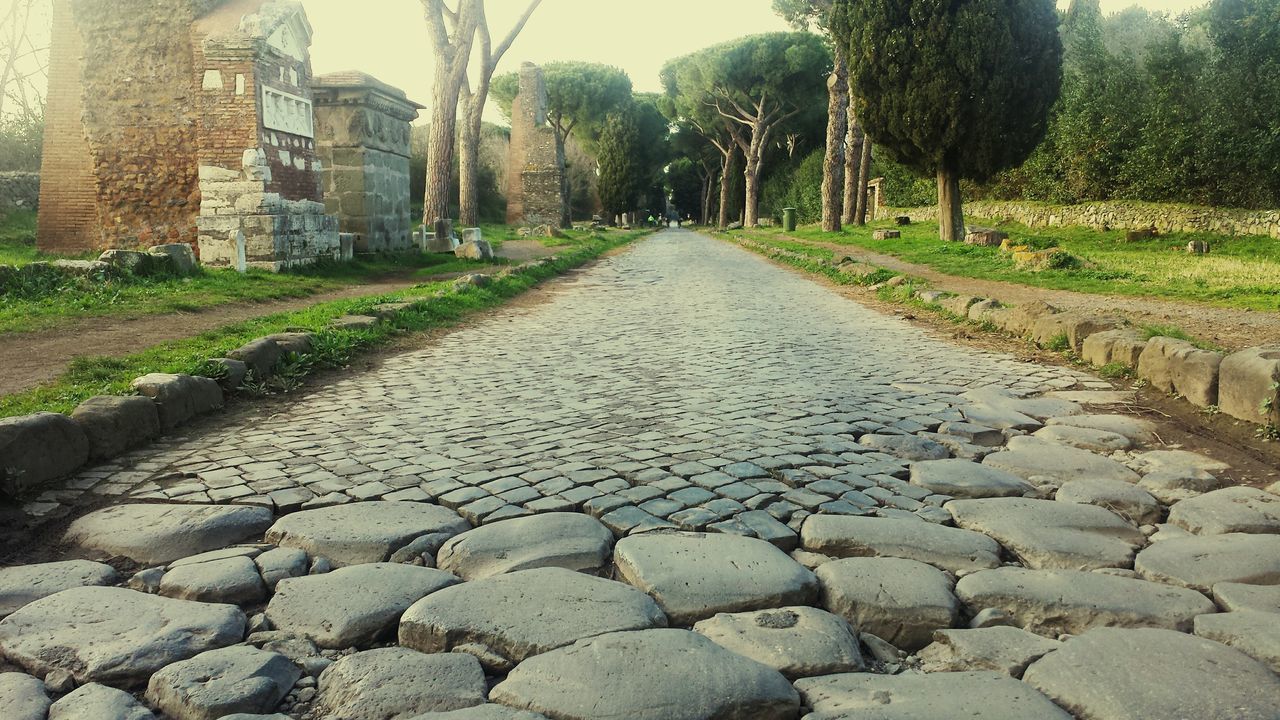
x=24 y=584
x=1256 y=634
x=937 y=696
x=160 y=534
x=99 y=702
x=568 y=540
x=648 y=675
x=945 y=547
x=1045 y=534
x=907 y=447
x=1136 y=429
x=1006 y=650
x=696 y=575
x=795 y=641
x=1174 y=485
x=394 y=683
x=965 y=479
x=116 y=423
x=1083 y=438
x=488 y=711
x=1202 y=562
x=1233 y=597
x=228 y=580
x=1045 y=462
x=1054 y=602
x=366 y=532
x=1040 y=408
x=23 y=697
x=1118 y=674
x=220 y=682
x=1229 y=510
x=113 y=635
x=352 y=606
x=508 y=618
x=1124 y=499
x=35 y=449
x=901 y=601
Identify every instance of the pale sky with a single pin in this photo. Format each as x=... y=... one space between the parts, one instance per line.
x=388 y=38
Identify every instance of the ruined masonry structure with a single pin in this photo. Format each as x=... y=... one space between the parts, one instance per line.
x=363 y=137
x=536 y=180
x=184 y=121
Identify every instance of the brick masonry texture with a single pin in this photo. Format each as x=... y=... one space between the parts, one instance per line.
x=536 y=160
x=648 y=377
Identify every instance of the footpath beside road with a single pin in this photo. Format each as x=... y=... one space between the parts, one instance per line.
x=688 y=485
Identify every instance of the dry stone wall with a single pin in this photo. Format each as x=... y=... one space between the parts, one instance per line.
x=1120 y=216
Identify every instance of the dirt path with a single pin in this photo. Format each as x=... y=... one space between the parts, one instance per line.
x=28 y=359
x=1228 y=327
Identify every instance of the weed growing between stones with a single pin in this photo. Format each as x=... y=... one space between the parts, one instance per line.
x=1058 y=343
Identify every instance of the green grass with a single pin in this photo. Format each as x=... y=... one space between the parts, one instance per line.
x=1239 y=272
x=440 y=305
x=18 y=238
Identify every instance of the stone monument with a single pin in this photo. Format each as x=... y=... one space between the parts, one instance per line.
x=536 y=162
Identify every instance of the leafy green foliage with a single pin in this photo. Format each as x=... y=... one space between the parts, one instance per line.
x=797 y=185
x=964 y=85
x=621 y=179
x=580 y=97
x=21 y=142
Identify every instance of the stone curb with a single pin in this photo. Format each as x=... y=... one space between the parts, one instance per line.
x=38 y=449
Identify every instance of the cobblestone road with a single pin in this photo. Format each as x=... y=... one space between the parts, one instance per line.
x=637 y=393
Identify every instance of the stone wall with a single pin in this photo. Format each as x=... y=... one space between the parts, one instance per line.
x=1119 y=216
x=19 y=190
x=535 y=183
x=363 y=141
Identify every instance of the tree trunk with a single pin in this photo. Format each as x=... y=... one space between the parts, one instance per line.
x=469 y=162
x=833 y=166
x=751 y=210
x=725 y=177
x=864 y=173
x=950 y=206
x=852 y=168
x=440 y=148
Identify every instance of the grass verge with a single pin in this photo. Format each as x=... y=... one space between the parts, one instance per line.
x=1239 y=271
x=440 y=305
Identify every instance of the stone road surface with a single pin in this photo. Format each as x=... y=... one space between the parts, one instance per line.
x=690 y=486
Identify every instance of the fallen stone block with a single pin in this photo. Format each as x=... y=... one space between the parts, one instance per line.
x=130 y=261
x=1249 y=385
x=1076 y=328
x=180 y=255
x=179 y=398
x=1123 y=346
x=982 y=310
x=960 y=304
x=35 y=449
x=301 y=343
x=114 y=423
x=1021 y=318
x=886 y=234
x=475 y=250
x=985 y=237
x=83 y=268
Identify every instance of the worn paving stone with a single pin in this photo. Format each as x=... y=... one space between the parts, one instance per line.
x=965 y=479
x=23 y=697
x=1045 y=462
x=907 y=447
x=99 y=702
x=279 y=564
x=1138 y=430
x=693 y=576
x=488 y=711
x=220 y=682
x=1201 y=563
x=399 y=683
x=352 y=606
x=1232 y=597
x=1256 y=634
x=1006 y=650
x=1084 y=438
x=664 y=674
x=1170 y=486
x=1122 y=498
x=159 y=534
x=364 y=532
x=1117 y=674
x=568 y=540
x=795 y=641
x=945 y=547
x=1045 y=534
x=1230 y=510
x=24 y=584
x=232 y=580
x=937 y=696
x=506 y=619
x=901 y=601
x=1056 y=602
x=114 y=635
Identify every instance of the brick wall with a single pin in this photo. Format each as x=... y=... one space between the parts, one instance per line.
x=68 y=199
x=536 y=162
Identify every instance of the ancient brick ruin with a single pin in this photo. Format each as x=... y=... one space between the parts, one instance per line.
x=184 y=121
x=535 y=185
x=363 y=139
